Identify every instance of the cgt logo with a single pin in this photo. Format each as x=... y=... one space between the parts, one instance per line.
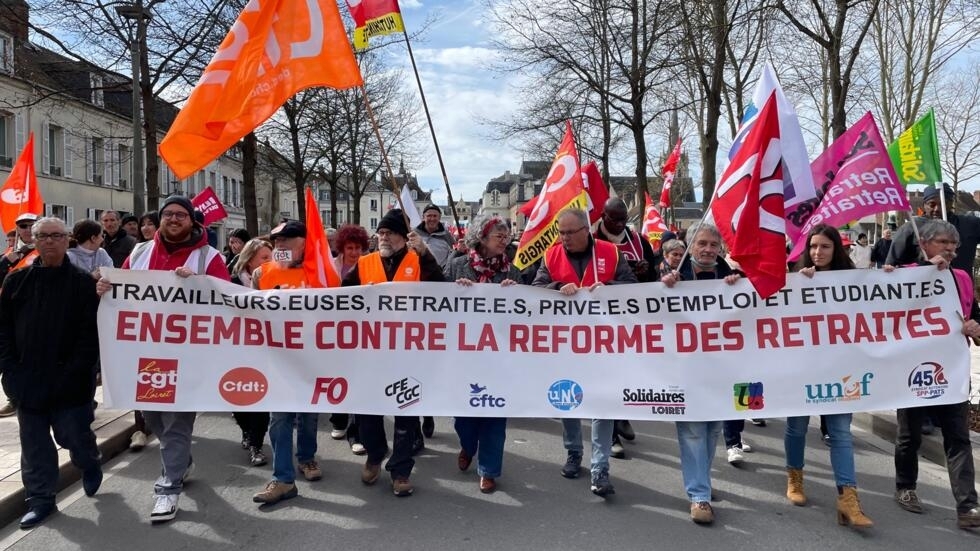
x=928 y=381
x=333 y=388
x=243 y=386
x=156 y=380
x=848 y=389
x=748 y=396
x=479 y=398
x=407 y=392
x=565 y=395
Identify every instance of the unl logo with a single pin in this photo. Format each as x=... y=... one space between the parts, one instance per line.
x=748 y=396
x=156 y=381
x=333 y=388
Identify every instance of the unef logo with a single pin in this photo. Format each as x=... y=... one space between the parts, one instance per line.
x=156 y=380
x=407 y=392
x=333 y=388
x=748 y=396
x=243 y=386
x=928 y=381
x=848 y=389
x=565 y=395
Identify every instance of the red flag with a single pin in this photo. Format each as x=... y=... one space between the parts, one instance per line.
x=653 y=224
x=670 y=167
x=274 y=50
x=210 y=206
x=594 y=186
x=748 y=205
x=317 y=260
x=20 y=193
x=563 y=188
x=374 y=18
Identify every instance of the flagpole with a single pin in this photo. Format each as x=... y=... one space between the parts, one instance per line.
x=384 y=156
x=432 y=130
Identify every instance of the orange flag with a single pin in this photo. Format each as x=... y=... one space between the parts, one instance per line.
x=20 y=193
x=317 y=260
x=275 y=49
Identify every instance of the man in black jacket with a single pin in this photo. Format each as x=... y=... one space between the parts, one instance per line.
x=48 y=351
x=117 y=243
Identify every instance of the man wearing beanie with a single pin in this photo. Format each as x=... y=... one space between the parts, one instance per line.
x=401 y=256
x=434 y=234
x=180 y=245
x=904 y=248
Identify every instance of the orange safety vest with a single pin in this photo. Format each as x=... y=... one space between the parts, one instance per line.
x=561 y=269
x=24 y=262
x=370 y=269
x=275 y=277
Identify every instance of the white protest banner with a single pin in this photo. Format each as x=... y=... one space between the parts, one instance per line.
x=840 y=342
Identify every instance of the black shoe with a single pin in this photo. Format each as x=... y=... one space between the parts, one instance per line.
x=428 y=427
x=617 y=451
x=927 y=426
x=758 y=422
x=36 y=515
x=419 y=445
x=573 y=465
x=601 y=485
x=625 y=429
x=91 y=480
x=255 y=457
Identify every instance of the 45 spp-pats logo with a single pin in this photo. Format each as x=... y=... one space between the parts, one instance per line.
x=156 y=380
x=928 y=381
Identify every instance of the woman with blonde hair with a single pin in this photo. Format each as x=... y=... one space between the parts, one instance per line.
x=253 y=254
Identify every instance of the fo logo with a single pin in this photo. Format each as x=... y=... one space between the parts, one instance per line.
x=243 y=386
x=333 y=388
x=748 y=396
x=156 y=380
x=928 y=381
x=565 y=395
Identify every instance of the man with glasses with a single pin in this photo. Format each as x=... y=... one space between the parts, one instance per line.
x=401 y=256
x=117 y=242
x=180 y=245
x=18 y=256
x=48 y=351
x=584 y=263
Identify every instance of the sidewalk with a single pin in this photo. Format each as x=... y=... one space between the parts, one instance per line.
x=112 y=430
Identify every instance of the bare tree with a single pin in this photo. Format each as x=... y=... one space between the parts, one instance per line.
x=958 y=123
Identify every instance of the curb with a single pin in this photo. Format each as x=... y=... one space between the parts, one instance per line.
x=884 y=425
x=112 y=439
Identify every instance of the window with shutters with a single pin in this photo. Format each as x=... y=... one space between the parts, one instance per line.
x=96 y=160
x=6 y=53
x=125 y=166
x=53 y=149
x=96 y=84
x=7 y=148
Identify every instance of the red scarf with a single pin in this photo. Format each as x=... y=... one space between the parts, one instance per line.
x=486 y=268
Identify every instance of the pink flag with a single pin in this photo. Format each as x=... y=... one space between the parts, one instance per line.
x=210 y=206
x=855 y=178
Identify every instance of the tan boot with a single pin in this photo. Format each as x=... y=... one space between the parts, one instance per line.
x=849 y=509
x=794 y=487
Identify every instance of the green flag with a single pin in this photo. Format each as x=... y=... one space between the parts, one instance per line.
x=915 y=153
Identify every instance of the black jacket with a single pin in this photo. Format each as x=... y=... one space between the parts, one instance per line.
x=119 y=246
x=905 y=250
x=48 y=337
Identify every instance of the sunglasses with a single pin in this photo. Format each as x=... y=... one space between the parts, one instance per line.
x=24 y=226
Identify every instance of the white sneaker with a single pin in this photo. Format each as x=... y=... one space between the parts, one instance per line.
x=164 y=507
x=137 y=441
x=746 y=447
x=358 y=449
x=735 y=455
x=338 y=434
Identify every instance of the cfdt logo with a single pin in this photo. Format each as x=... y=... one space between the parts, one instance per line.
x=243 y=386
x=156 y=380
x=480 y=398
x=406 y=392
x=928 y=381
x=334 y=389
x=748 y=396
x=666 y=401
x=565 y=395
x=848 y=389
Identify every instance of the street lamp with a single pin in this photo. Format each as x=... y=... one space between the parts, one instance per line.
x=141 y=15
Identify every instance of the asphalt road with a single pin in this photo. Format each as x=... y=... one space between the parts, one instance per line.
x=534 y=507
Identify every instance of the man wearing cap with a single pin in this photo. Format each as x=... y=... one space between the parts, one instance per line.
x=435 y=236
x=179 y=245
x=117 y=242
x=401 y=256
x=286 y=272
x=905 y=249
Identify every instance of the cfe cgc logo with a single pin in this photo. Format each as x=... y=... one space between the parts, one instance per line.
x=666 y=401
x=565 y=395
x=928 y=381
x=748 y=396
x=480 y=398
x=243 y=386
x=406 y=392
x=156 y=380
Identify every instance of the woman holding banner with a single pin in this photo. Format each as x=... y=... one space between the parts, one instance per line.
x=825 y=252
x=485 y=262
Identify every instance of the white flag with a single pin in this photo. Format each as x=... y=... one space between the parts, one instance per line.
x=410 y=209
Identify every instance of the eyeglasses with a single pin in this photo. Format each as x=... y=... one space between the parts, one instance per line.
x=52 y=236
x=176 y=215
x=24 y=226
x=385 y=233
x=499 y=236
x=570 y=233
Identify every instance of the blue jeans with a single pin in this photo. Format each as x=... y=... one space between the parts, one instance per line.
x=483 y=437
x=841 y=445
x=697 y=440
x=281 y=438
x=602 y=433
